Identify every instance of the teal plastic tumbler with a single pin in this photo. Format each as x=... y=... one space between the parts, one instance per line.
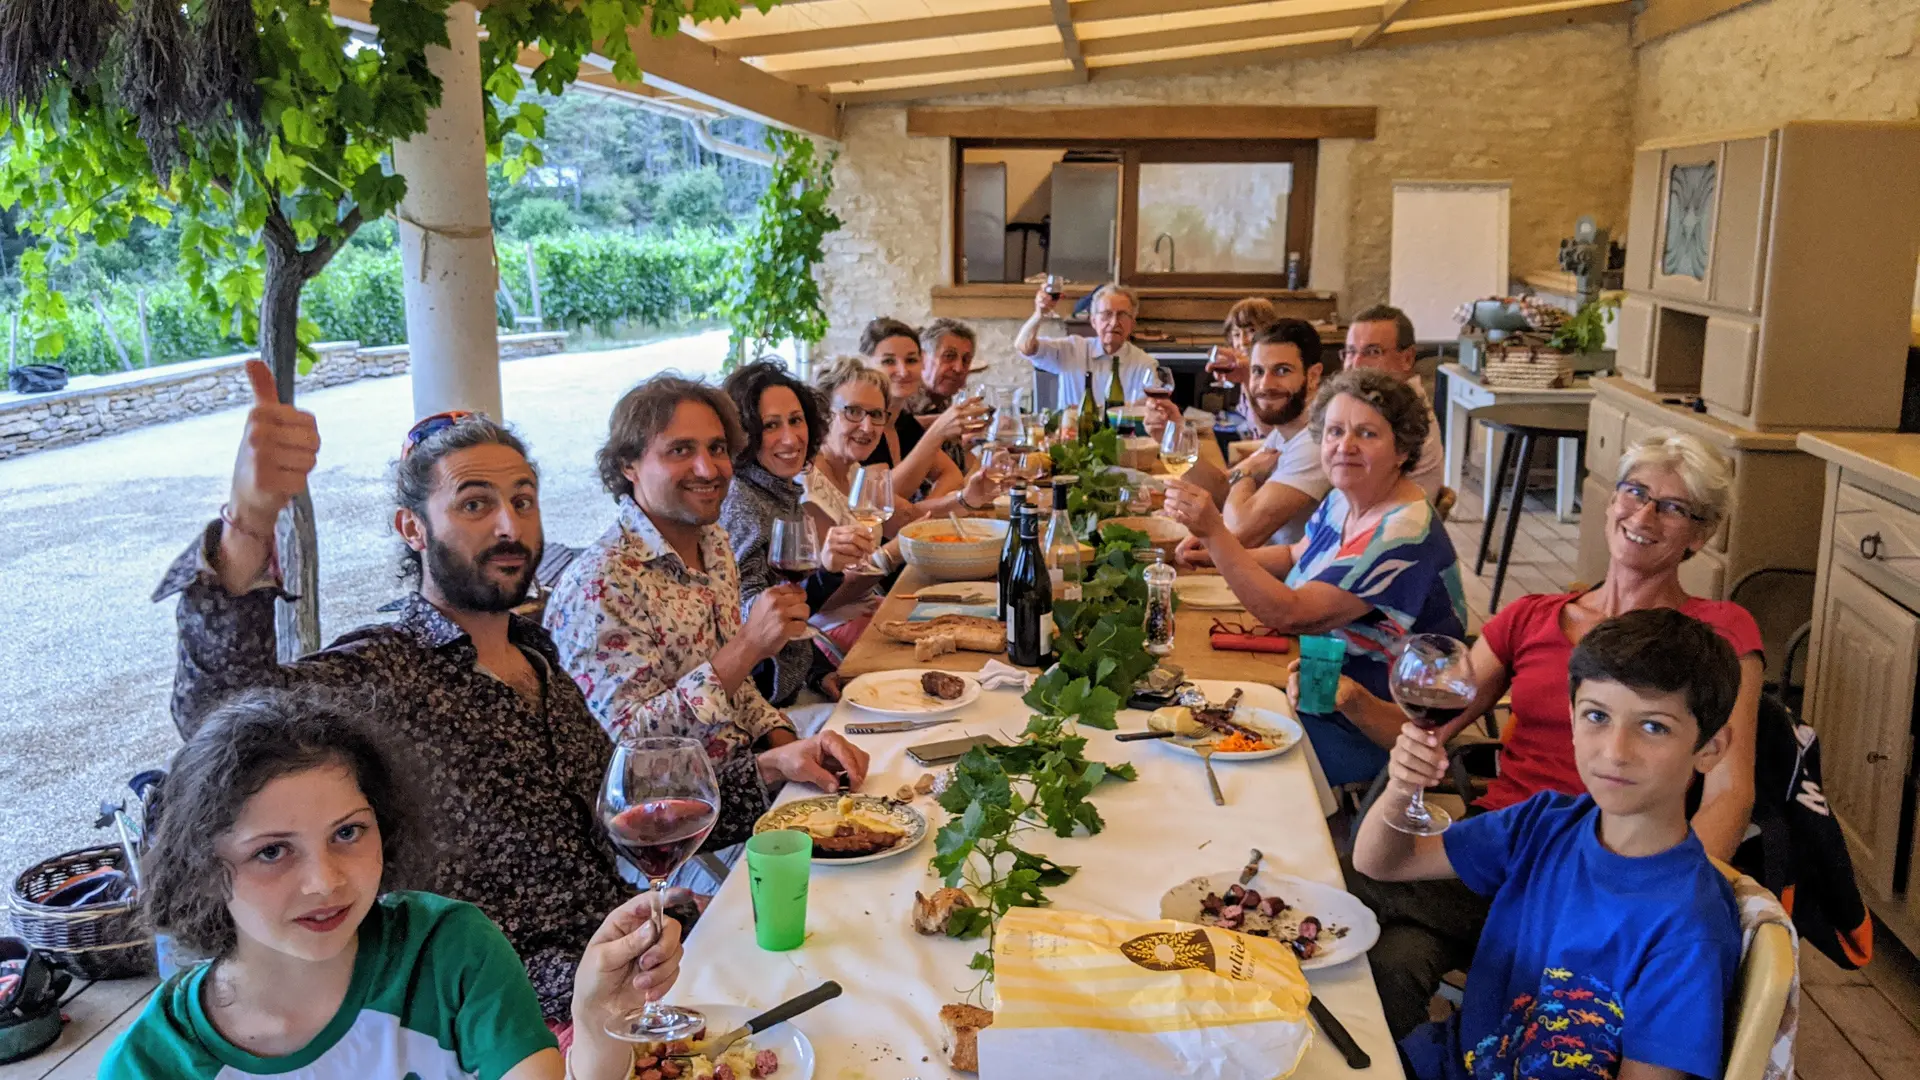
x=1320 y=660
x=778 y=865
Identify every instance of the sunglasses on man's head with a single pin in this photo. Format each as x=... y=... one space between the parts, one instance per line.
x=439 y=421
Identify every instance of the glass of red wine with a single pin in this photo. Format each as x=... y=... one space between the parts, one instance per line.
x=792 y=553
x=659 y=803
x=1432 y=680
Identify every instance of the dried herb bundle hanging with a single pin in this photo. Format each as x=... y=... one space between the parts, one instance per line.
x=44 y=39
x=156 y=79
x=226 y=69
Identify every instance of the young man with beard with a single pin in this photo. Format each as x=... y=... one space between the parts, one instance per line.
x=647 y=619
x=473 y=691
x=1284 y=373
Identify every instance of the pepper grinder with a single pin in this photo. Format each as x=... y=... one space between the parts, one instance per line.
x=1159 y=578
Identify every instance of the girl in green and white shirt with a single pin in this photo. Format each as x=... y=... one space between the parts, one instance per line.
x=285 y=830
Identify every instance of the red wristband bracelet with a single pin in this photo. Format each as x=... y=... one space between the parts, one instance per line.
x=226 y=517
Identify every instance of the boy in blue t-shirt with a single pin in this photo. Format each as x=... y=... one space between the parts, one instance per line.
x=1612 y=943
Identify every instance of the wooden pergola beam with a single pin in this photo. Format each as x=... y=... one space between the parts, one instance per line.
x=1069 y=39
x=919 y=65
x=682 y=67
x=889 y=32
x=1389 y=11
x=1662 y=17
x=1145 y=121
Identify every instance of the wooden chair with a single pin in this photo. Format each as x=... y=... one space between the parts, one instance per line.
x=1766 y=974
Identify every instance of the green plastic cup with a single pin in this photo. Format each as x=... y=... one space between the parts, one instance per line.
x=1320 y=661
x=778 y=864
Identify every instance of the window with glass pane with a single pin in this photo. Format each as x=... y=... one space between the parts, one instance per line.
x=1213 y=217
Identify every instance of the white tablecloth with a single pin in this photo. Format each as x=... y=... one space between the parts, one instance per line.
x=1161 y=830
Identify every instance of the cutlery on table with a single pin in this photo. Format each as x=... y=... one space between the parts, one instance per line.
x=888 y=727
x=781 y=1013
x=1338 y=1035
x=1136 y=736
x=1253 y=867
x=1205 y=750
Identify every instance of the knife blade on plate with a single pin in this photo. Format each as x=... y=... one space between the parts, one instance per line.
x=887 y=727
x=781 y=1013
x=1253 y=867
x=1338 y=1035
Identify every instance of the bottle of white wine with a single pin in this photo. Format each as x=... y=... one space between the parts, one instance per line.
x=1062 y=546
x=1029 y=600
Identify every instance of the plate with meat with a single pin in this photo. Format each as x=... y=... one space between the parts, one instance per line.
x=850 y=828
x=781 y=1052
x=912 y=692
x=1324 y=925
x=1236 y=732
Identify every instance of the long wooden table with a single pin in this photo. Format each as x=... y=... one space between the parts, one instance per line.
x=1191 y=650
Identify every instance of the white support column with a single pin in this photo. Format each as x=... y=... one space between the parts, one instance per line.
x=446 y=238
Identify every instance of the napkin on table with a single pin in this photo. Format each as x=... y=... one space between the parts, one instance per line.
x=997 y=674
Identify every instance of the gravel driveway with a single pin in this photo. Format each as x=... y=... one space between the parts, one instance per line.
x=86 y=531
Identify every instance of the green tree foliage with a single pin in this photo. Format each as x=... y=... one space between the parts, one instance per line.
x=769 y=293
x=539 y=217
x=606 y=279
x=693 y=199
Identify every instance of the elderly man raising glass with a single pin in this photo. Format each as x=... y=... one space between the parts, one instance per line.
x=1113 y=311
x=1373 y=566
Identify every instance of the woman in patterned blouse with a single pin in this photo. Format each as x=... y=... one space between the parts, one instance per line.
x=1373 y=566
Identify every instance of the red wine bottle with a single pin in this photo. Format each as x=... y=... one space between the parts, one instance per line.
x=1029 y=599
x=658 y=835
x=1016 y=508
x=1431 y=707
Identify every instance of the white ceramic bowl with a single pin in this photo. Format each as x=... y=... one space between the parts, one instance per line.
x=963 y=560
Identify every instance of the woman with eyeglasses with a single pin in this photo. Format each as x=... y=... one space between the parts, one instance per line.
x=858 y=400
x=913 y=448
x=1669 y=497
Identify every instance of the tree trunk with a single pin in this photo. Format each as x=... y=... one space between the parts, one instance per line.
x=146 y=336
x=296 y=622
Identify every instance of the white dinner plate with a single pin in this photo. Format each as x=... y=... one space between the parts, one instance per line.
x=1207 y=592
x=898 y=693
x=1348 y=927
x=789 y=1042
x=795 y=815
x=1278 y=728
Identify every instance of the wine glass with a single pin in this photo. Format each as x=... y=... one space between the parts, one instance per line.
x=997 y=461
x=658 y=804
x=792 y=553
x=1180 y=447
x=1432 y=680
x=1219 y=362
x=870 y=499
x=1159 y=384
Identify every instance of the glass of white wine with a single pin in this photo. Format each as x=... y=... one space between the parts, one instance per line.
x=870 y=499
x=1180 y=447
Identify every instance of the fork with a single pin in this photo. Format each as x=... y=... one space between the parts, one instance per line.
x=1205 y=750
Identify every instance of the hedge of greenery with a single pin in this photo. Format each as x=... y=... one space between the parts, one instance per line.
x=602 y=280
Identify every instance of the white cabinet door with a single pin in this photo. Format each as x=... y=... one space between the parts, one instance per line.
x=1862 y=690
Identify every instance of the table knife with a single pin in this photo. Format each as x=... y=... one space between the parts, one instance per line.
x=1337 y=1034
x=819 y=995
x=1136 y=736
x=1253 y=867
x=887 y=727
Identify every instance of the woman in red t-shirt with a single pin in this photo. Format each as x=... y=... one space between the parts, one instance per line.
x=1670 y=495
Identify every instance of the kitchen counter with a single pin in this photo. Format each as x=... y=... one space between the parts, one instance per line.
x=1882 y=456
x=1681 y=418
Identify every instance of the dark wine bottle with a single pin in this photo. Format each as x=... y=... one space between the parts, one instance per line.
x=1016 y=507
x=1029 y=599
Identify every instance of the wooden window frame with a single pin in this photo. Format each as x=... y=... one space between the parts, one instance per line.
x=1302 y=154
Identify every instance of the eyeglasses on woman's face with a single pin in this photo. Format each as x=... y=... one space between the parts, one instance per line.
x=1634 y=497
x=856 y=414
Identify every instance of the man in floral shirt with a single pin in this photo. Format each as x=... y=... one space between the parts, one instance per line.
x=647 y=620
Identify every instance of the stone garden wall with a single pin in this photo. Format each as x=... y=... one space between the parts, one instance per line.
x=96 y=405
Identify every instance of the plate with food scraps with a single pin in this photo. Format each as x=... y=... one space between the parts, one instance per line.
x=850 y=828
x=1251 y=735
x=1323 y=925
x=791 y=1051
x=907 y=693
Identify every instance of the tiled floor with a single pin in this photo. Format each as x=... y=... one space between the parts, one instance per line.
x=1854 y=1025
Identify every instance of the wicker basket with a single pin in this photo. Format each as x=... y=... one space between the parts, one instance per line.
x=1523 y=365
x=96 y=941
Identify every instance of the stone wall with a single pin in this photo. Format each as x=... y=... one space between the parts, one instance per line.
x=96 y=405
x=1550 y=111
x=1777 y=60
